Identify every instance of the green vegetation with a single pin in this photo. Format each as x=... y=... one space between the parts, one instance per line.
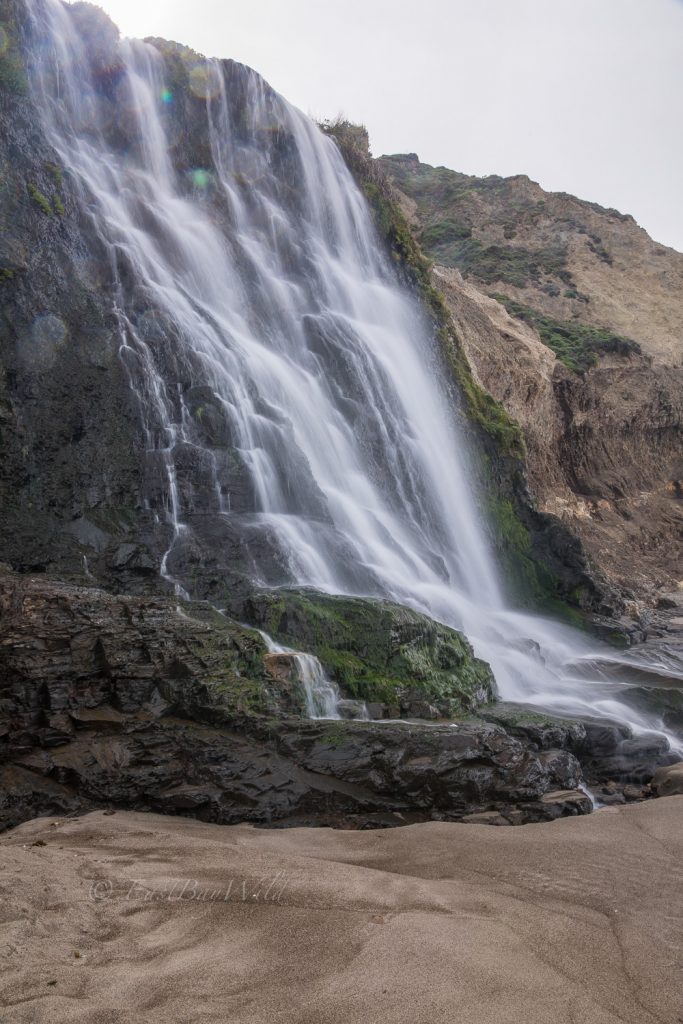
x=12 y=72
x=528 y=577
x=57 y=173
x=577 y=345
x=56 y=206
x=444 y=232
x=179 y=61
x=514 y=265
x=378 y=651
x=41 y=200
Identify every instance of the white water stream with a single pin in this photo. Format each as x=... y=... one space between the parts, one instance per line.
x=257 y=278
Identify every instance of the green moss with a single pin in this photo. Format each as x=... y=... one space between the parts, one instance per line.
x=483 y=408
x=7 y=273
x=12 y=72
x=178 y=61
x=334 y=736
x=57 y=173
x=39 y=199
x=378 y=651
x=577 y=345
x=530 y=580
x=58 y=206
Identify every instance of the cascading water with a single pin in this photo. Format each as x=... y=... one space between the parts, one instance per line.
x=321 y=693
x=275 y=353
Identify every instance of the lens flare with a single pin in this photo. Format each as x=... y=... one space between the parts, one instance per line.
x=166 y=96
x=205 y=81
x=200 y=177
x=48 y=334
x=153 y=325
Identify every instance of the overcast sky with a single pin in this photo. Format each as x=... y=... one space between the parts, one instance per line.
x=584 y=96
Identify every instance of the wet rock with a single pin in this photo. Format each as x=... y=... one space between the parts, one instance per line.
x=633 y=793
x=135 y=558
x=668 y=781
x=665 y=701
x=564 y=802
x=607 y=750
x=354 y=709
x=611 y=797
x=136 y=703
x=422 y=709
x=633 y=760
x=543 y=731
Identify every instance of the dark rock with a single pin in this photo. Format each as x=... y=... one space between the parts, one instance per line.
x=612 y=797
x=134 y=557
x=544 y=732
x=606 y=750
x=354 y=709
x=135 y=703
x=633 y=760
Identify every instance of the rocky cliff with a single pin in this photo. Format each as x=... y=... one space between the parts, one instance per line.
x=132 y=470
x=71 y=473
x=138 y=702
x=572 y=317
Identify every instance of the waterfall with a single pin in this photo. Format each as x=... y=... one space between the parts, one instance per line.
x=290 y=387
x=321 y=693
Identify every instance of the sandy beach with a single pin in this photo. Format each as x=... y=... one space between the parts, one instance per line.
x=121 y=918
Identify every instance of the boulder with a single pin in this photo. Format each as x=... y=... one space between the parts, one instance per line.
x=377 y=651
x=668 y=780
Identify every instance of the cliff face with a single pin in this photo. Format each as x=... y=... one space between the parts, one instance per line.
x=572 y=317
x=572 y=260
x=149 y=444
x=88 y=358
x=72 y=445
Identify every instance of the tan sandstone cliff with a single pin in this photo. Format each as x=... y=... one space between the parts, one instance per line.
x=583 y=344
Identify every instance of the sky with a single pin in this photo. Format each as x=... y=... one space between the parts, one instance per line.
x=584 y=96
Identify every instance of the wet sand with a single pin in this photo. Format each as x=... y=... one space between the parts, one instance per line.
x=137 y=917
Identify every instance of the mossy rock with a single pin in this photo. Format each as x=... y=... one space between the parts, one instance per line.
x=378 y=651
